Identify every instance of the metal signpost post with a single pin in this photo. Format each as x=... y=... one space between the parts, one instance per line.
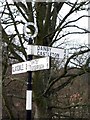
x=29 y=81
x=29 y=89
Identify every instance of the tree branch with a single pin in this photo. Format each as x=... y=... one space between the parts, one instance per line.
x=65 y=72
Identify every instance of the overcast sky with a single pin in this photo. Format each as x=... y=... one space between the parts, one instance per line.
x=82 y=23
x=79 y=39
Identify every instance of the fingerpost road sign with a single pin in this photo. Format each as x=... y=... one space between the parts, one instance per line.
x=45 y=51
x=32 y=65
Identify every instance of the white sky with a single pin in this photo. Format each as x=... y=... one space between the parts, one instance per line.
x=82 y=38
x=82 y=23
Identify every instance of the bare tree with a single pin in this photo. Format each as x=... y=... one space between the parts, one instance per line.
x=45 y=15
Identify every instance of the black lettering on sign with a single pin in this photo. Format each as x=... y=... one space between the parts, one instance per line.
x=44 y=54
x=49 y=49
x=26 y=66
x=43 y=51
x=38 y=50
x=34 y=62
x=41 y=48
x=40 y=53
x=55 y=55
x=37 y=67
x=38 y=47
x=19 y=67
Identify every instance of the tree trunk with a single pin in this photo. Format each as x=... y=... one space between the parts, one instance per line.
x=40 y=112
x=41 y=102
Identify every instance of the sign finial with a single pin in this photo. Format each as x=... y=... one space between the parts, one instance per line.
x=27 y=36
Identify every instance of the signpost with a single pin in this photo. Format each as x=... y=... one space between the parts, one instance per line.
x=32 y=65
x=45 y=51
x=35 y=65
x=29 y=87
x=30 y=40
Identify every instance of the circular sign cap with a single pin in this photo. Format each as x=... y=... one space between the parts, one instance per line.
x=27 y=36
